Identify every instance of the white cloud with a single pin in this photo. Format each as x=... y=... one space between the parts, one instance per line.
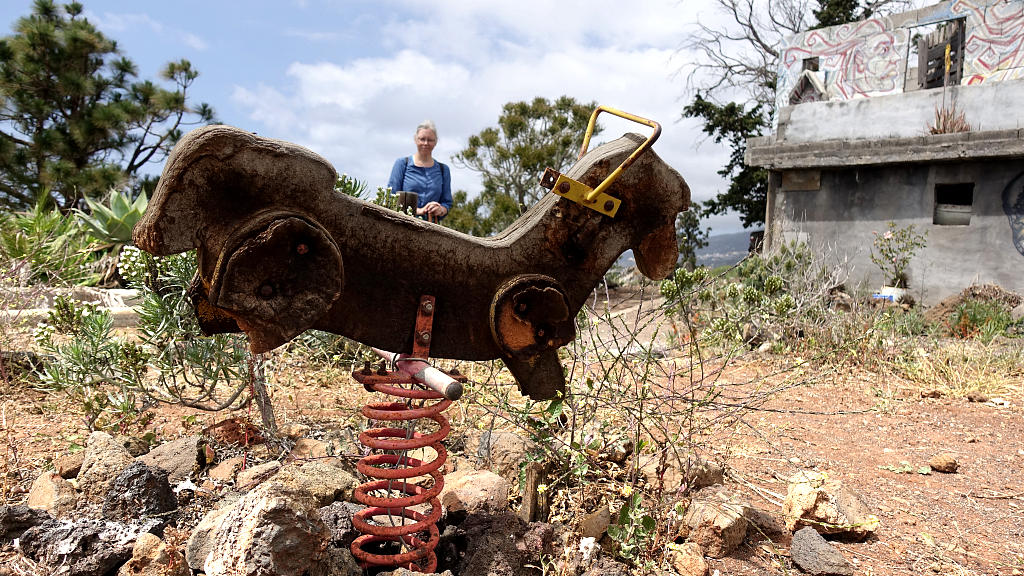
x=114 y=23
x=458 y=63
x=193 y=41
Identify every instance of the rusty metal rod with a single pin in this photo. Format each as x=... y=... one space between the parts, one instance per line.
x=422 y=372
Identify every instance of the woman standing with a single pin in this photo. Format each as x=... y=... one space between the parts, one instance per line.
x=422 y=174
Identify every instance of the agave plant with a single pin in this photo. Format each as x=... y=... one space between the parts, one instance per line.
x=112 y=223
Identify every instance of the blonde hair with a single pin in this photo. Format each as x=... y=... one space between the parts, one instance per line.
x=426 y=125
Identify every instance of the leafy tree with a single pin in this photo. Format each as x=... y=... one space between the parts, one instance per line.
x=834 y=12
x=748 y=185
x=690 y=235
x=74 y=119
x=734 y=74
x=512 y=156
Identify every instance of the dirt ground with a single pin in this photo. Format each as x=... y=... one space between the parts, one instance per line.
x=968 y=522
x=857 y=426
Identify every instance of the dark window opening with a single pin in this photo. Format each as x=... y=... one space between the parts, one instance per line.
x=811 y=64
x=931 y=54
x=953 y=204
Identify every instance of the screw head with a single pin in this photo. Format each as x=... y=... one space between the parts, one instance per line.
x=302 y=249
x=424 y=337
x=608 y=205
x=428 y=307
x=266 y=291
x=564 y=187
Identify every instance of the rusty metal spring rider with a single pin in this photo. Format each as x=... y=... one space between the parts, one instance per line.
x=392 y=496
x=280 y=252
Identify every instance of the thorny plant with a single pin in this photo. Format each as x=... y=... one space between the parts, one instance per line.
x=639 y=411
x=116 y=380
x=646 y=391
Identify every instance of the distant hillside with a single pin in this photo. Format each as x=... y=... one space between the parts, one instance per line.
x=724 y=249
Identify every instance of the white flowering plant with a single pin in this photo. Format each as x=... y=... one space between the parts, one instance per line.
x=893 y=249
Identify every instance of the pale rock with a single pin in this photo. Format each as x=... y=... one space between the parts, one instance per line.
x=687 y=559
x=200 y=542
x=500 y=451
x=52 y=493
x=152 y=557
x=105 y=458
x=326 y=483
x=271 y=531
x=717 y=521
x=227 y=470
x=68 y=465
x=293 y=430
x=180 y=458
x=595 y=523
x=812 y=499
x=694 y=472
x=474 y=491
x=308 y=449
x=944 y=462
x=250 y=477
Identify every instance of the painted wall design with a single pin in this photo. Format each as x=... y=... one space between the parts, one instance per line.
x=1013 y=206
x=995 y=36
x=859 y=59
x=869 y=58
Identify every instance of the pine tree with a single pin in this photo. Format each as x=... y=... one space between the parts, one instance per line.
x=530 y=137
x=74 y=118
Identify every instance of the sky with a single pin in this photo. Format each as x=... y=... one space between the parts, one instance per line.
x=352 y=79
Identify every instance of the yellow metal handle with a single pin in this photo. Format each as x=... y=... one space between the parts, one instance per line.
x=592 y=196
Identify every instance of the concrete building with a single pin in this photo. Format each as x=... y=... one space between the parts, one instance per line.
x=854 y=148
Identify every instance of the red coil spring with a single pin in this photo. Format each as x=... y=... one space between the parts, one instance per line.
x=414 y=531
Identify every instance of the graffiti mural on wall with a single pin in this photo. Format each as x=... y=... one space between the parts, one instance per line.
x=1013 y=206
x=869 y=58
x=995 y=34
x=859 y=59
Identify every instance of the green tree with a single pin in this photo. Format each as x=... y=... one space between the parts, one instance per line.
x=74 y=118
x=690 y=235
x=748 y=185
x=834 y=12
x=512 y=156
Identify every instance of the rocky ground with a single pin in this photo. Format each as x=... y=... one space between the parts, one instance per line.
x=895 y=477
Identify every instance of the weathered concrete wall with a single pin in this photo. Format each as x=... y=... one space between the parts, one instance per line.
x=854 y=202
x=986 y=107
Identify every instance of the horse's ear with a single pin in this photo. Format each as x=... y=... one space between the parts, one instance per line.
x=657 y=253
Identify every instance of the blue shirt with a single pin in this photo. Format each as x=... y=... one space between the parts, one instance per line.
x=433 y=184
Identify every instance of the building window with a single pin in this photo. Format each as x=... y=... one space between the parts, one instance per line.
x=953 y=204
x=811 y=64
x=931 y=54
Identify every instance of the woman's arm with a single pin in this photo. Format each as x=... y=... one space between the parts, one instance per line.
x=446 y=189
x=395 y=181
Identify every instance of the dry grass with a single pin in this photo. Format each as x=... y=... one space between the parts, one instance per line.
x=959 y=368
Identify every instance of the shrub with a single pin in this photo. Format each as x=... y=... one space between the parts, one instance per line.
x=984 y=319
x=43 y=246
x=893 y=250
